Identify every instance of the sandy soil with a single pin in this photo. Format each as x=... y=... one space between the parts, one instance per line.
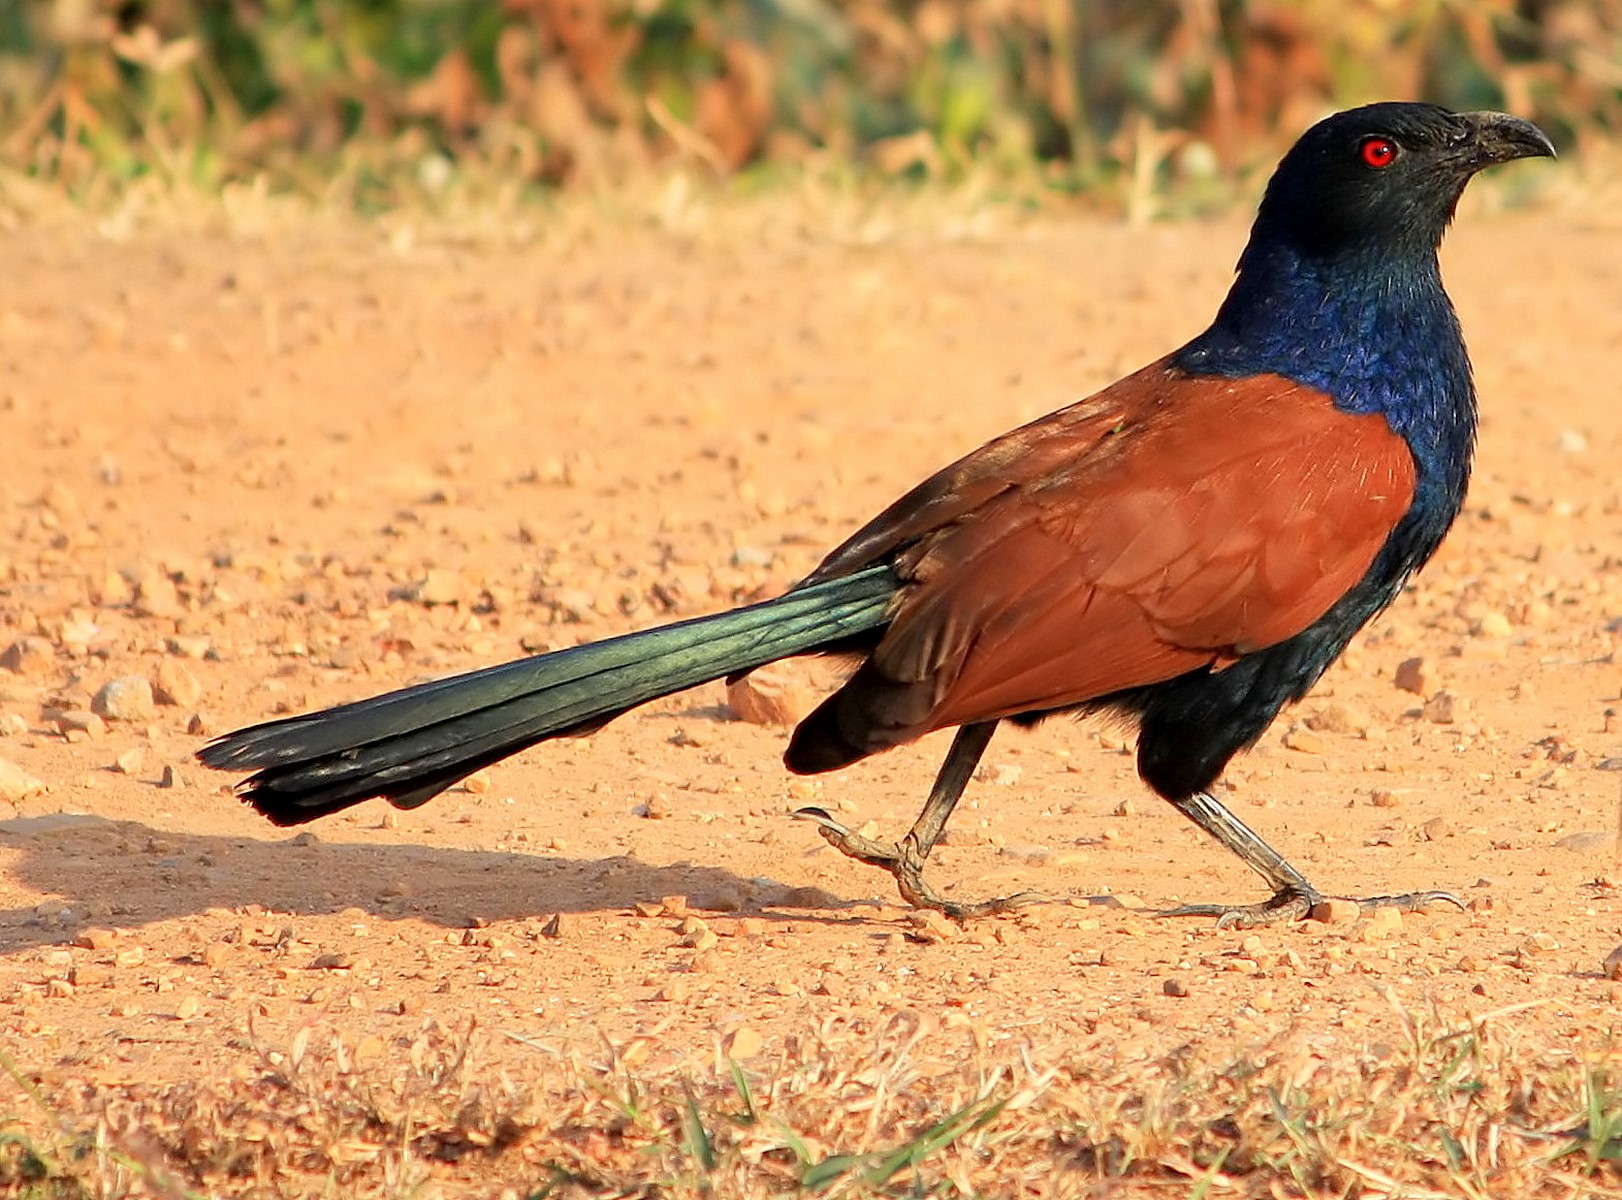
x=290 y=469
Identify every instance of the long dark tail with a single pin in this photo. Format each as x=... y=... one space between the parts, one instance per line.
x=408 y=746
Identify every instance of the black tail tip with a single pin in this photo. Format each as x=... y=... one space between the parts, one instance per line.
x=283 y=811
x=817 y=745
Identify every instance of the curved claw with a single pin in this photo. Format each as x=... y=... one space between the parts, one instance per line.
x=848 y=842
x=1407 y=901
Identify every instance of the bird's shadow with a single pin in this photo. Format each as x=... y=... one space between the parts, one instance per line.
x=124 y=873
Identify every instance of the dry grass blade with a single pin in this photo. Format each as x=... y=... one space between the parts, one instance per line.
x=1504 y=1117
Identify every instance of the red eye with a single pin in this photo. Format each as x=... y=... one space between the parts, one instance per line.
x=1377 y=152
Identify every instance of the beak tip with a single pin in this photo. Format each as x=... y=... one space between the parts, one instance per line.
x=1506 y=138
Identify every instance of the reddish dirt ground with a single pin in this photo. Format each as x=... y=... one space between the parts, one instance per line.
x=298 y=467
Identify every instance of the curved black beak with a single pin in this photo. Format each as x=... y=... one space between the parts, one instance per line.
x=1496 y=137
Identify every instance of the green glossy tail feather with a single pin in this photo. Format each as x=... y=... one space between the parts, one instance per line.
x=409 y=745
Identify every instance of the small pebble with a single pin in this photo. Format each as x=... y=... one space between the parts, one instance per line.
x=174 y=684
x=751 y=556
x=1414 y=675
x=1338 y=718
x=1539 y=942
x=1174 y=987
x=772 y=695
x=29 y=656
x=79 y=723
x=676 y=990
x=1130 y=901
x=568 y=605
x=1443 y=708
x=701 y=939
x=1384 y=919
x=1379 y=925
x=438 y=587
x=1571 y=441
x=128 y=698
x=156 y=596
x=129 y=762
x=17 y=784
x=1336 y=910
x=189 y=647
x=743 y=1042
x=1305 y=742
x=928 y=926
x=1034 y=855
x=1000 y=774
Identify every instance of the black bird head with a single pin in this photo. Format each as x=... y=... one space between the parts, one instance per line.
x=1385 y=177
x=1339 y=287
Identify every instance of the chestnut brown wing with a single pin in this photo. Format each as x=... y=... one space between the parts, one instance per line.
x=1168 y=523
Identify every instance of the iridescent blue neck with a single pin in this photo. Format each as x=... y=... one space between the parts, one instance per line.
x=1375 y=335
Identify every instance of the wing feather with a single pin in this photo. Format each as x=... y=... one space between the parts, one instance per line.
x=1168 y=523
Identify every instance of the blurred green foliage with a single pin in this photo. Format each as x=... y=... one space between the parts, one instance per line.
x=301 y=92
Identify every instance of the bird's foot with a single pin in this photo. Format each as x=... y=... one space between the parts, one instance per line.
x=1406 y=901
x=1296 y=903
x=905 y=861
x=1289 y=904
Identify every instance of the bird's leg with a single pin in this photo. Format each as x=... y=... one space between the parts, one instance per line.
x=905 y=859
x=1293 y=895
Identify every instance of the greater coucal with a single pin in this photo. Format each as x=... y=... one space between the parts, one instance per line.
x=1189 y=548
